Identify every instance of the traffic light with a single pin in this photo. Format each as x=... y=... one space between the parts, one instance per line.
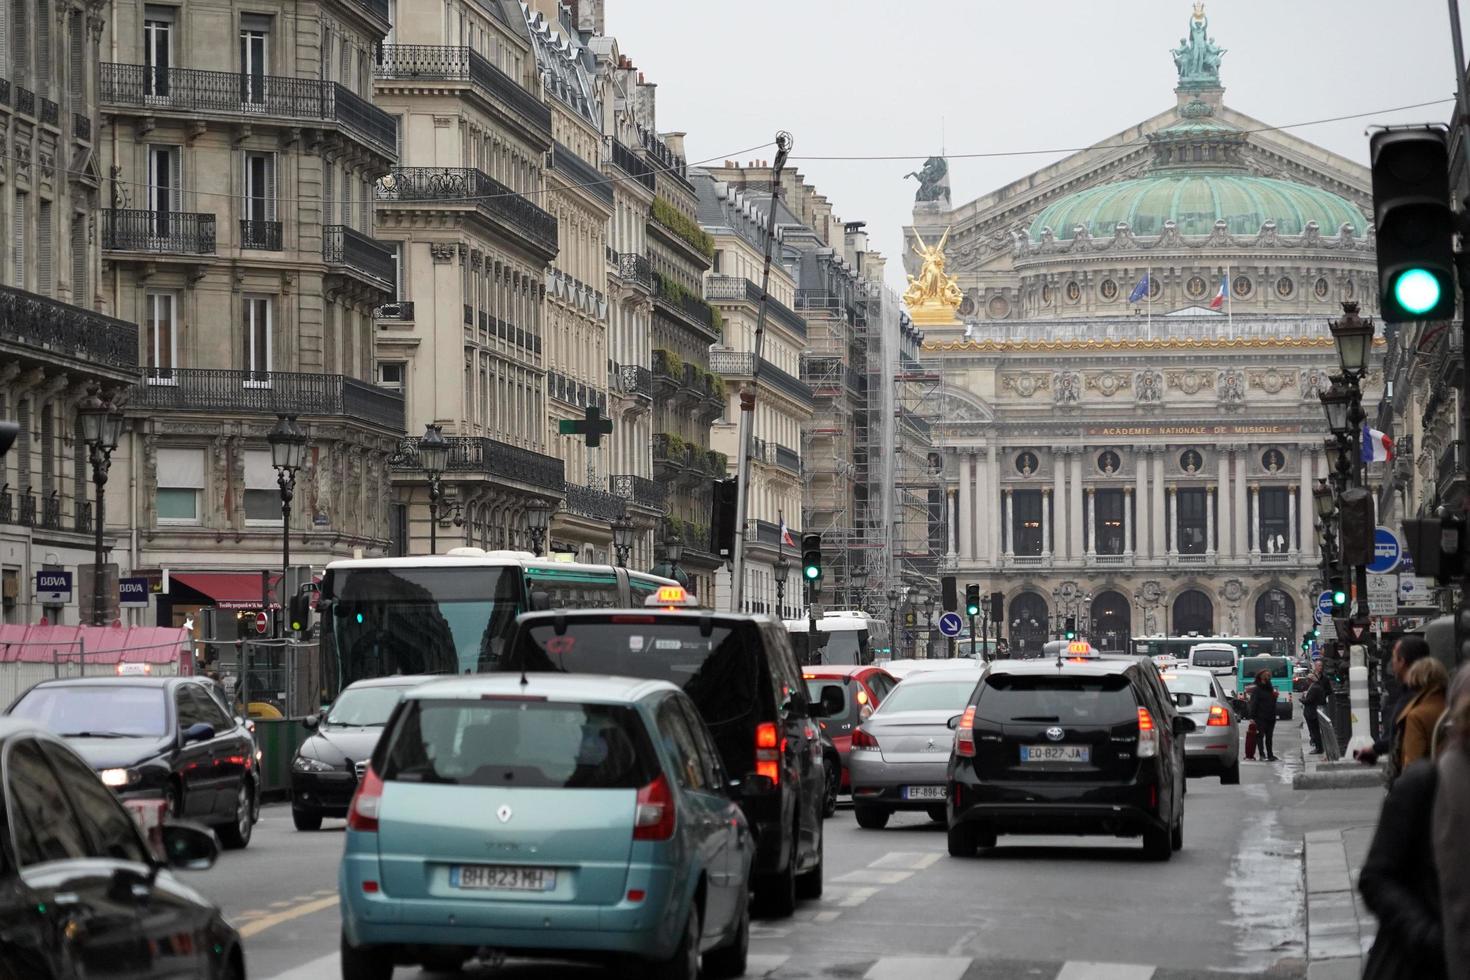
x=298 y=616
x=1357 y=519
x=972 y=600
x=997 y=607
x=722 y=516
x=1071 y=628
x=1414 y=223
x=1437 y=545
x=811 y=557
x=949 y=594
x=1339 y=597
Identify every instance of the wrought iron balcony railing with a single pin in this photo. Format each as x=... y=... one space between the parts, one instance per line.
x=81 y=127
x=268 y=393
x=633 y=269
x=740 y=364
x=492 y=458
x=471 y=188
x=582 y=174
x=33 y=321
x=138 y=230
x=1450 y=469
x=738 y=289
x=788 y=459
x=190 y=90
x=50 y=113
x=630 y=163
x=592 y=502
x=264 y=235
x=25 y=101
x=347 y=247
x=640 y=491
x=401 y=310
x=694 y=309
x=455 y=63
x=4 y=91
x=635 y=379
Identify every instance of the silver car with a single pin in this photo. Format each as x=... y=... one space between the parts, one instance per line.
x=1213 y=748
x=900 y=755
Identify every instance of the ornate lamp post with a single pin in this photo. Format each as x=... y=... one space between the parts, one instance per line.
x=622 y=534
x=779 y=571
x=288 y=453
x=101 y=429
x=433 y=452
x=892 y=621
x=929 y=625
x=538 y=519
x=1354 y=339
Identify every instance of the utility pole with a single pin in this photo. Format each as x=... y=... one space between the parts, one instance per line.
x=747 y=395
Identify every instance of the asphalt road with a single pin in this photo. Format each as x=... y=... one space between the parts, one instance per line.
x=1043 y=908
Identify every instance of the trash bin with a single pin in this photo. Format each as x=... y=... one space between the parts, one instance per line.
x=278 y=739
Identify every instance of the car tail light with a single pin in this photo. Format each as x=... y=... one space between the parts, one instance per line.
x=1148 y=735
x=653 y=818
x=964 y=733
x=366 y=802
x=1219 y=717
x=863 y=740
x=767 y=754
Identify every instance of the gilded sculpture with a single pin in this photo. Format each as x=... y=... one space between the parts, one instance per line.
x=933 y=295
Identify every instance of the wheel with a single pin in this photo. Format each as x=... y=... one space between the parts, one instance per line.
x=938 y=814
x=684 y=964
x=233 y=967
x=1231 y=776
x=809 y=883
x=871 y=817
x=365 y=962
x=1176 y=836
x=1157 y=844
x=236 y=834
x=775 y=894
x=962 y=842
x=306 y=821
x=729 y=960
x=834 y=783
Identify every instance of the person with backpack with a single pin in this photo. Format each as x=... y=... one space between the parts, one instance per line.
x=1313 y=698
x=1262 y=702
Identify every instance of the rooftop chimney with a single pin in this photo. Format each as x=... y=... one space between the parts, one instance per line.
x=588 y=16
x=676 y=143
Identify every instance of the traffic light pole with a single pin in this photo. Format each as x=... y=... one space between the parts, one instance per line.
x=972 y=637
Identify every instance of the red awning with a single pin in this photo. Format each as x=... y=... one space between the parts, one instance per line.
x=228 y=590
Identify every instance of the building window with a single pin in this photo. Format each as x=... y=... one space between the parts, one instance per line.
x=257 y=351
x=20 y=229
x=259 y=228
x=1192 y=522
x=1274 y=534
x=391 y=374
x=158 y=48
x=180 y=483
x=1108 y=511
x=162 y=349
x=254 y=54
x=1026 y=522
x=262 y=492
x=165 y=186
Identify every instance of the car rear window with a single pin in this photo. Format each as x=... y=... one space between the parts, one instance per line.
x=1076 y=700
x=1195 y=684
x=1212 y=658
x=110 y=710
x=850 y=707
x=1279 y=667
x=930 y=696
x=528 y=744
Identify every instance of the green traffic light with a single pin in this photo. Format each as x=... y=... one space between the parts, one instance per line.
x=1417 y=291
x=1071 y=636
x=812 y=572
x=1339 y=598
x=972 y=610
x=1316 y=633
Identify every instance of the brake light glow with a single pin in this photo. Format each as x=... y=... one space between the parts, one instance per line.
x=1218 y=716
x=863 y=740
x=653 y=817
x=630 y=619
x=767 y=757
x=964 y=733
x=1148 y=735
x=362 y=815
x=370 y=887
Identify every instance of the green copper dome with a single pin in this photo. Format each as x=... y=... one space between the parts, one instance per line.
x=1194 y=200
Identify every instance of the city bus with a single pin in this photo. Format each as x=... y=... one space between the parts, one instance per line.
x=1179 y=646
x=452 y=613
x=844 y=636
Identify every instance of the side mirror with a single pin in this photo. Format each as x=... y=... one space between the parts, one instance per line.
x=1183 y=699
x=199 y=732
x=833 y=701
x=954 y=722
x=311 y=722
x=1183 y=726
x=753 y=785
x=188 y=847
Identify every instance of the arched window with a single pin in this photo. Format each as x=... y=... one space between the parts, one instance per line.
x=1193 y=613
x=1029 y=624
x=1112 y=622
x=1275 y=614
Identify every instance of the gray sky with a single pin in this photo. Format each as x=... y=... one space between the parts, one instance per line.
x=865 y=77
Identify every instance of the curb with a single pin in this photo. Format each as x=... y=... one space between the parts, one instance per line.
x=1339 y=779
x=1335 y=920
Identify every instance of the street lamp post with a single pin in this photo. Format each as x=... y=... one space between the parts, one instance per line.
x=859 y=579
x=538 y=519
x=779 y=571
x=433 y=452
x=101 y=429
x=622 y=535
x=288 y=453
x=929 y=626
x=892 y=622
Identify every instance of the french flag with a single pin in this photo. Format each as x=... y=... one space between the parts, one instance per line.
x=1377 y=447
x=786 y=537
x=1219 y=299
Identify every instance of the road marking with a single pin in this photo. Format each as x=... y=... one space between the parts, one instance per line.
x=1078 y=970
x=832 y=915
x=929 y=967
x=256 y=926
x=907 y=860
x=761 y=931
x=283 y=904
x=872 y=876
x=756 y=965
x=856 y=897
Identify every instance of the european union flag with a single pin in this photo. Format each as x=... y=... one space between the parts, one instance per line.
x=1139 y=291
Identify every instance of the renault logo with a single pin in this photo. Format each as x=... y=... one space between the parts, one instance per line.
x=503 y=814
x=1055 y=734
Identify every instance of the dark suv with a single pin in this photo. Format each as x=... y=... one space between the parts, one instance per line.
x=742 y=676
x=1076 y=747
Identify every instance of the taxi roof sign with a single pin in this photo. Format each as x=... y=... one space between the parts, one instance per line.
x=670 y=596
x=1079 y=648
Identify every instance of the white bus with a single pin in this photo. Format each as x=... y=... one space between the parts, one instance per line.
x=452 y=613
x=844 y=636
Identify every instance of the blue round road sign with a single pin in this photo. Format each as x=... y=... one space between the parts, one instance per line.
x=1386 y=551
x=950 y=624
x=1324 y=608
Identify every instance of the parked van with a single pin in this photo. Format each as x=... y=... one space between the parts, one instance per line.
x=1217 y=658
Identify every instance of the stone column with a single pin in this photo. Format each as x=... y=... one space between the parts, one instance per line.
x=1128 y=520
x=1242 y=545
x=1209 y=520
x=1227 y=544
x=1159 y=535
x=1091 y=521
x=1138 y=538
x=1173 y=520
x=1306 y=510
x=993 y=503
x=1074 y=520
x=954 y=514
x=966 y=521
x=1046 y=522
x=1059 y=500
x=1008 y=527
x=1253 y=530
x=1291 y=524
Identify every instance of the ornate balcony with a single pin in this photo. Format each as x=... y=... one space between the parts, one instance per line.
x=685 y=307
x=1450 y=473
x=451 y=63
x=633 y=270
x=4 y=91
x=581 y=174
x=269 y=393
x=640 y=491
x=401 y=310
x=25 y=101
x=735 y=289
x=788 y=459
x=489 y=457
x=470 y=188
x=351 y=249
x=592 y=502
x=630 y=163
x=81 y=127
x=741 y=364
x=158 y=232
x=50 y=113
x=44 y=327
x=671 y=457
x=267 y=97
x=264 y=235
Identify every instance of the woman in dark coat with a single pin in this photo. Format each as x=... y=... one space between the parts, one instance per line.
x=1400 y=884
x=1263 y=713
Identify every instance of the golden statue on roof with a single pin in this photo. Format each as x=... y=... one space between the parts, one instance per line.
x=933 y=295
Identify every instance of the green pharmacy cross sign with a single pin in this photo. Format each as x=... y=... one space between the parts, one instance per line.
x=592 y=427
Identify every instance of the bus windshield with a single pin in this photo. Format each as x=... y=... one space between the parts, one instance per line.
x=407 y=620
x=833 y=647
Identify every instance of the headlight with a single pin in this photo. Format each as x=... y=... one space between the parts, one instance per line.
x=305 y=764
x=119 y=777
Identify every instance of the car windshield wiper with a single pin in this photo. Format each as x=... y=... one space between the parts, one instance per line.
x=99 y=734
x=1036 y=718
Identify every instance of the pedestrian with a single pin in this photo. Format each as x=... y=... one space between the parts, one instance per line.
x=1400 y=883
x=1313 y=698
x=1451 y=815
x=1263 y=714
x=1426 y=679
x=1406 y=652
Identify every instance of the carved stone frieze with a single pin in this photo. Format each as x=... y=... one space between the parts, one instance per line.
x=1026 y=385
x=1312 y=382
x=1190 y=382
x=1066 y=388
x=1272 y=380
x=1148 y=388
x=1230 y=389
x=441 y=252
x=1108 y=383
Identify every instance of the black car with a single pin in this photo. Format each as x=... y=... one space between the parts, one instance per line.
x=1068 y=747
x=157 y=738
x=81 y=893
x=742 y=675
x=326 y=768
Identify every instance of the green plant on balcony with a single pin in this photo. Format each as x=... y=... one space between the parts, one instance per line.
x=683 y=226
x=718 y=461
x=666 y=362
x=675 y=447
x=673 y=526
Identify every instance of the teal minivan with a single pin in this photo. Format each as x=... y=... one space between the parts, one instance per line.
x=1246 y=670
x=558 y=815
